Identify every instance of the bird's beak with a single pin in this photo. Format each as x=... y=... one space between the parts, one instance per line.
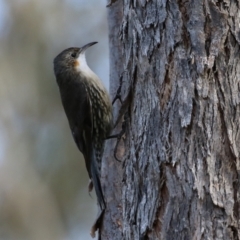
x=85 y=47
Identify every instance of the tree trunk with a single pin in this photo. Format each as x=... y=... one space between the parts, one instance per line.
x=181 y=98
x=112 y=169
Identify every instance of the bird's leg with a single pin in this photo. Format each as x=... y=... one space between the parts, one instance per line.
x=118 y=94
x=119 y=136
x=110 y=3
x=90 y=186
x=122 y=111
x=97 y=224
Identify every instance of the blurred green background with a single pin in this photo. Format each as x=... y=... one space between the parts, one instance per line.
x=43 y=180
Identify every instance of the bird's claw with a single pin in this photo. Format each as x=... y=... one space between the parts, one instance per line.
x=118 y=94
x=90 y=186
x=119 y=137
x=97 y=224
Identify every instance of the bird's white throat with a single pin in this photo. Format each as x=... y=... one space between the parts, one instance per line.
x=82 y=66
x=85 y=70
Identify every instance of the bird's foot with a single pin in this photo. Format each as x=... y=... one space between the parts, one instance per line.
x=122 y=112
x=119 y=136
x=110 y=3
x=97 y=224
x=90 y=186
x=118 y=94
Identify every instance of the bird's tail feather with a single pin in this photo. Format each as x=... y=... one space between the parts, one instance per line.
x=96 y=181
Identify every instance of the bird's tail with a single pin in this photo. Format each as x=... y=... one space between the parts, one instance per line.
x=96 y=180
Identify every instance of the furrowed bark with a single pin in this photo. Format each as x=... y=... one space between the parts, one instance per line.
x=112 y=169
x=181 y=162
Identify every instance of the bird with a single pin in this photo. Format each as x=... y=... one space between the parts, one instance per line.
x=88 y=108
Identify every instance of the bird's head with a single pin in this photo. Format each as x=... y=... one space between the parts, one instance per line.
x=72 y=60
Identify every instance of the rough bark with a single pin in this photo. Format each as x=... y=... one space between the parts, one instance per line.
x=112 y=169
x=181 y=85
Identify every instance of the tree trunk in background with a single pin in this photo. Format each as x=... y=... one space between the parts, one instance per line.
x=181 y=86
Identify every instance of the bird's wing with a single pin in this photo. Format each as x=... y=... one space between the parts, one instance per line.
x=79 y=117
x=93 y=165
x=82 y=139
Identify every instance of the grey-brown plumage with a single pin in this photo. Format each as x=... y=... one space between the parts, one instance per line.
x=88 y=109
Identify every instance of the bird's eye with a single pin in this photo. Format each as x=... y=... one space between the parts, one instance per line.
x=73 y=55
